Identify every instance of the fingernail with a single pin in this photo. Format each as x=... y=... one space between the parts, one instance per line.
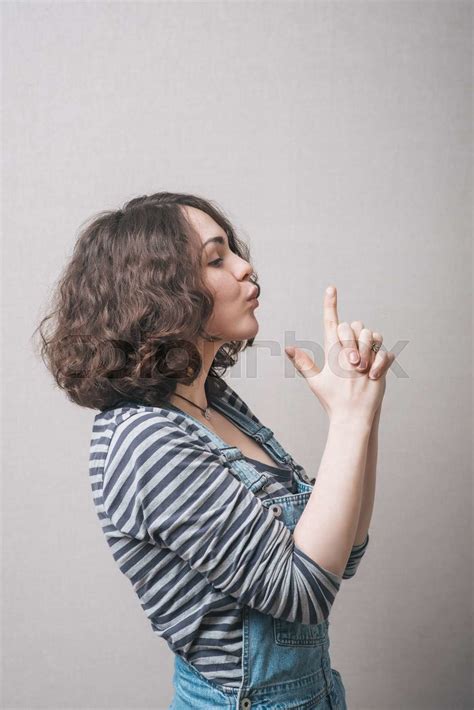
x=373 y=375
x=330 y=290
x=361 y=364
x=353 y=357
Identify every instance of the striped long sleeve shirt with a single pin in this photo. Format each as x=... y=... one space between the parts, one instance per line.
x=194 y=542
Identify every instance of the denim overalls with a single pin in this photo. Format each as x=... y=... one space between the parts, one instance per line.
x=285 y=665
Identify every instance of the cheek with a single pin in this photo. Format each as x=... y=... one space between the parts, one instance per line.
x=226 y=289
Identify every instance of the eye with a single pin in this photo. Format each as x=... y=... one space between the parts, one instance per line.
x=216 y=262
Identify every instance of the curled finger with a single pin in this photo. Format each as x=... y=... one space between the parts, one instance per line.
x=348 y=341
x=380 y=365
x=365 y=343
x=377 y=340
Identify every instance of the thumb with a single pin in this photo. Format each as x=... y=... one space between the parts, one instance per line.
x=303 y=362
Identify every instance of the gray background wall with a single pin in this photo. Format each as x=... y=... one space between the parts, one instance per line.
x=337 y=136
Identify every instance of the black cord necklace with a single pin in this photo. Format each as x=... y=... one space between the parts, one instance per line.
x=206 y=411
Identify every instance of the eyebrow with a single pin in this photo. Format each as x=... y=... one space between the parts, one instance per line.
x=218 y=240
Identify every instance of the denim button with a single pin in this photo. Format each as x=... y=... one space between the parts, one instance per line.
x=245 y=704
x=276 y=510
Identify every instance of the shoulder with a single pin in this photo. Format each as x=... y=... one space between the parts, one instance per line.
x=136 y=435
x=132 y=417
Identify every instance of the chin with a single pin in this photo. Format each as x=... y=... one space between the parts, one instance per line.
x=248 y=329
x=242 y=334
x=248 y=333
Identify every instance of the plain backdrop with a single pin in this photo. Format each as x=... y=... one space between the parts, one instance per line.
x=337 y=137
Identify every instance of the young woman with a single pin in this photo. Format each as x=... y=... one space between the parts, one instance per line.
x=235 y=554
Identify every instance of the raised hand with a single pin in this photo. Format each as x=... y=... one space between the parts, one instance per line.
x=342 y=386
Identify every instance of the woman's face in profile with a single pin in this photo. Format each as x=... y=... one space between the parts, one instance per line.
x=227 y=276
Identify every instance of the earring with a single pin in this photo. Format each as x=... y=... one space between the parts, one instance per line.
x=253 y=276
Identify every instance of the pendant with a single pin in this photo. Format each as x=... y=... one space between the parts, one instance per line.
x=207 y=413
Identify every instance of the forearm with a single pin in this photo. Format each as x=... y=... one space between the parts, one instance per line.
x=328 y=525
x=368 y=492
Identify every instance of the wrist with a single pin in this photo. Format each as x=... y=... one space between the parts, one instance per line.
x=356 y=422
x=376 y=419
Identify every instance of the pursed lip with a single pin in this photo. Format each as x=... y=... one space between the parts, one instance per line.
x=253 y=294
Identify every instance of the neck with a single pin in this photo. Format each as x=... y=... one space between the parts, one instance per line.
x=196 y=390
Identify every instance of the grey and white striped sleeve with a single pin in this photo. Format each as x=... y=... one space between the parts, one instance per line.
x=165 y=485
x=357 y=553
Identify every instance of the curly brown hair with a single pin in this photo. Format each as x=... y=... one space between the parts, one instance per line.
x=131 y=297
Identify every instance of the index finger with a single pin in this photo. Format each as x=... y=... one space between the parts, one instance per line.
x=331 y=319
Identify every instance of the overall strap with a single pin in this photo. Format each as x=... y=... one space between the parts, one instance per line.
x=230 y=456
x=231 y=405
x=237 y=411
x=254 y=428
